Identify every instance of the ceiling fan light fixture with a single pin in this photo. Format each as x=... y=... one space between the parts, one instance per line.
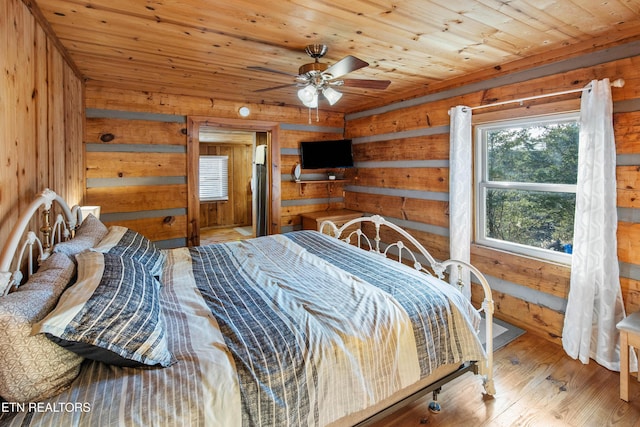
x=307 y=95
x=332 y=95
x=316 y=77
x=313 y=102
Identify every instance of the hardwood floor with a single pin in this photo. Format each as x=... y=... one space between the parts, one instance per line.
x=537 y=385
x=217 y=235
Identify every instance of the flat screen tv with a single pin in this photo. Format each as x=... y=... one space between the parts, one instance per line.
x=326 y=154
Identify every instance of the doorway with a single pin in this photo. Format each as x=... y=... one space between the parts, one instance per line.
x=243 y=205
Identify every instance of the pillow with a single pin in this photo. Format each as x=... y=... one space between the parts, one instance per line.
x=53 y=274
x=128 y=243
x=33 y=368
x=89 y=234
x=111 y=314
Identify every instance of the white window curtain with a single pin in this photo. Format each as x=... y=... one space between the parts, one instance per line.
x=595 y=304
x=460 y=191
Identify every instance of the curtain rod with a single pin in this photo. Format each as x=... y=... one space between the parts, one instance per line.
x=615 y=83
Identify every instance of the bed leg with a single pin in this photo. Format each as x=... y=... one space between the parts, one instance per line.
x=489 y=387
x=434 y=406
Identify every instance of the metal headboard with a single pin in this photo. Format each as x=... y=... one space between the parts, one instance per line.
x=13 y=253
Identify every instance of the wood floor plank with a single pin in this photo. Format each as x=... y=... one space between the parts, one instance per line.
x=218 y=235
x=537 y=385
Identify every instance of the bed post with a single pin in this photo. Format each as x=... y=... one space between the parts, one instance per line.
x=46 y=226
x=486 y=369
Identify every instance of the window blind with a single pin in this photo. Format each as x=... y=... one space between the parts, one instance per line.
x=214 y=178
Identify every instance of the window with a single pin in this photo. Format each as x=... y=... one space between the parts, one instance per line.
x=526 y=185
x=214 y=178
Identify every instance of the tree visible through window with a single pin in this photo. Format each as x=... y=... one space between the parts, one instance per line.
x=526 y=176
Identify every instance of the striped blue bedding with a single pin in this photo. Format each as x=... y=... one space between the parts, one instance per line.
x=298 y=329
x=284 y=312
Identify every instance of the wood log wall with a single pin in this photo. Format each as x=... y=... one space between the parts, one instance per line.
x=136 y=171
x=402 y=153
x=41 y=116
x=136 y=146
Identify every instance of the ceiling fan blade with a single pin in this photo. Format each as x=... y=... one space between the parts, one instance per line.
x=367 y=84
x=276 y=87
x=344 y=66
x=269 y=70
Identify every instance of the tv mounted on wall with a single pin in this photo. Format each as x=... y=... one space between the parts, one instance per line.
x=326 y=154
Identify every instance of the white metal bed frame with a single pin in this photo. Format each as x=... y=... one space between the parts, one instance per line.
x=11 y=276
x=374 y=244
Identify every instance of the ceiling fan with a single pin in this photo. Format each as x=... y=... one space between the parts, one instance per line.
x=317 y=77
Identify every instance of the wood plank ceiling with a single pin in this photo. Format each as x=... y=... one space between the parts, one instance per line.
x=205 y=47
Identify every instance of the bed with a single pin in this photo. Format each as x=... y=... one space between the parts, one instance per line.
x=298 y=329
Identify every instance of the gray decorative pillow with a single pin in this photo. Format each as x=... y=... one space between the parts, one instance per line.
x=89 y=234
x=33 y=368
x=54 y=275
x=111 y=314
